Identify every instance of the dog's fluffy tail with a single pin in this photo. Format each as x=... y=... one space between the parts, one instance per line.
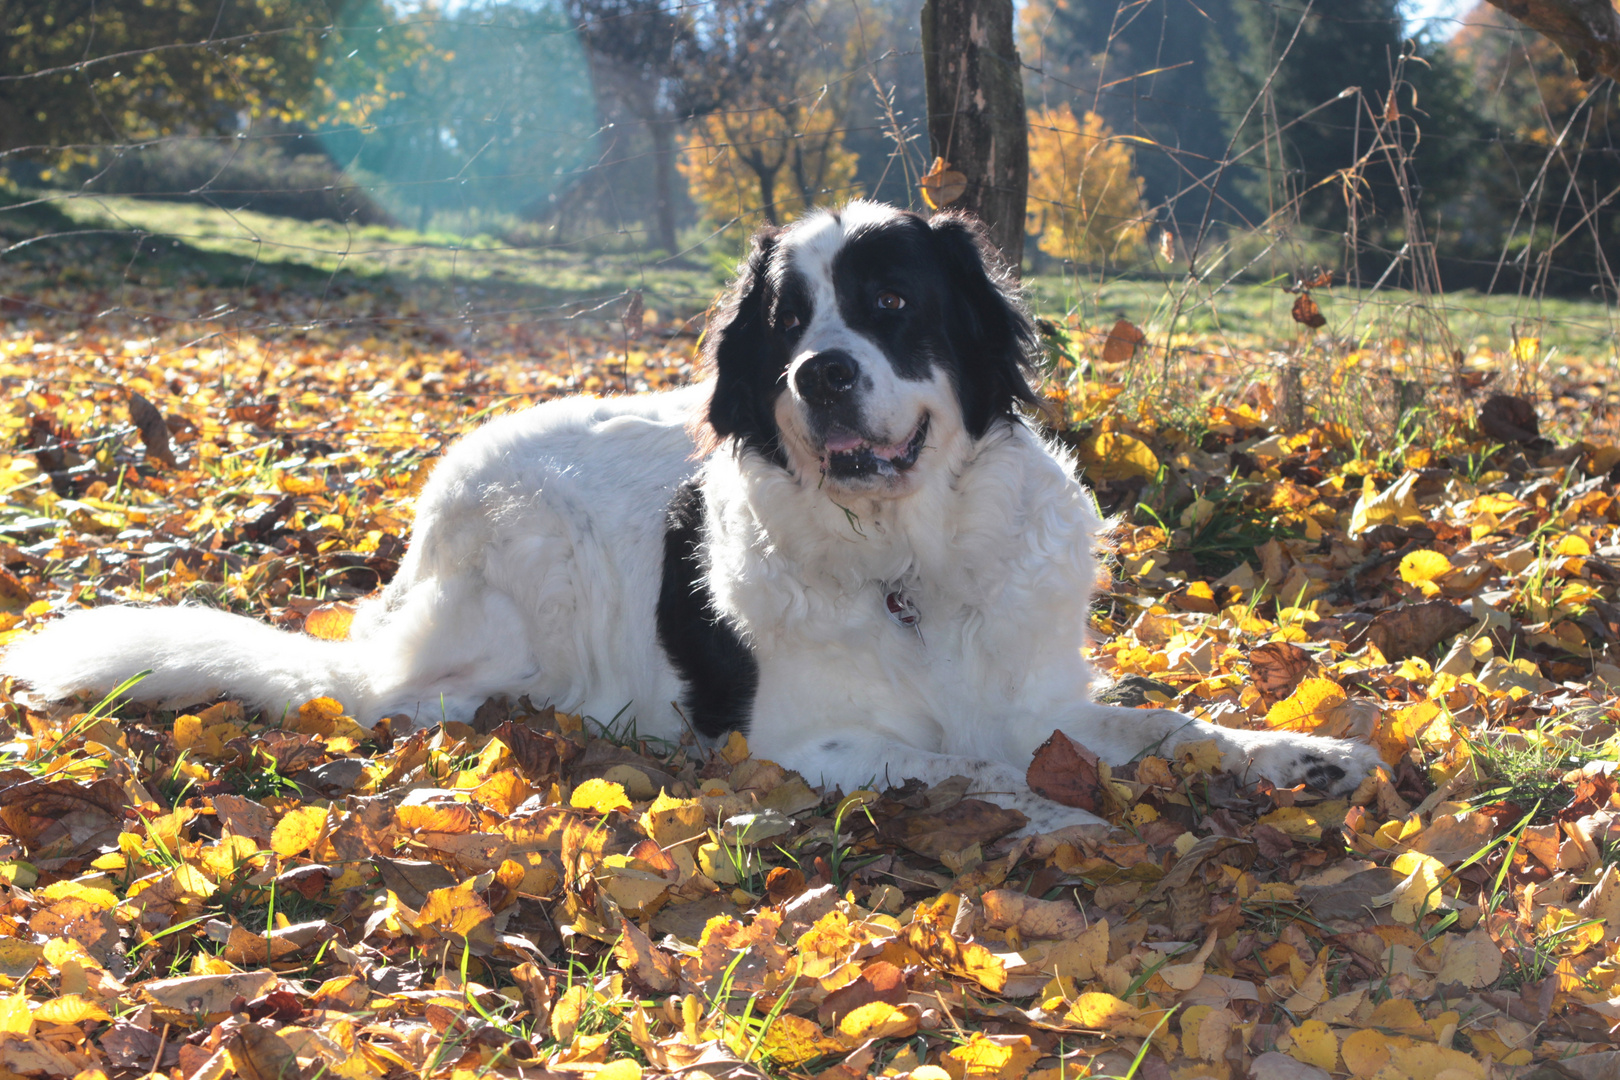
x=194 y=654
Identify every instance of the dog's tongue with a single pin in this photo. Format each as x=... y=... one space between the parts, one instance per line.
x=843 y=442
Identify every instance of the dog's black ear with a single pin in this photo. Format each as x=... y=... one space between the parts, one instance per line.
x=990 y=331
x=737 y=348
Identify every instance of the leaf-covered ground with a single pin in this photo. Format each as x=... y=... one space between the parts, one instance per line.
x=209 y=893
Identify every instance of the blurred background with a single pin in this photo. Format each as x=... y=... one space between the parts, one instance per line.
x=1441 y=164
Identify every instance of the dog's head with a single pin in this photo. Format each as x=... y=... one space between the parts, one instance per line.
x=856 y=341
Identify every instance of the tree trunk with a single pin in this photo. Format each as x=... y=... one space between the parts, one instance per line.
x=663 y=139
x=1586 y=31
x=767 y=190
x=976 y=118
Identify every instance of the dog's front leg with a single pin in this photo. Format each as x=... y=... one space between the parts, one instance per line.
x=1119 y=735
x=853 y=760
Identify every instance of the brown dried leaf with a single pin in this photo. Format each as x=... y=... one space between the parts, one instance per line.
x=955 y=829
x=1509 y=419
x=942 y=185
x=1032 y=917
x=1068 y=773
x=153 y=430
x=1123 y=340
x=1278 y=666
x=260 y=1054
x=1306 y=313
x=643 y=961
x=412 y=880
x=1415 y=629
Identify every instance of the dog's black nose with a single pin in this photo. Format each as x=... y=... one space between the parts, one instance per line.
x=826 y=377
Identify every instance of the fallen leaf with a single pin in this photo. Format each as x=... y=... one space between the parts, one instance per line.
x=1068 y=773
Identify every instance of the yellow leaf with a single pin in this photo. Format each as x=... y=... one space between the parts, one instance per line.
x=458 y=912
x=602 y=796
x=1296 y=821
x=942 y=185
x=188 y=731
x=877 y=1020
x=1399 y=1015
x=1315 y=1044
x=330 y=621
x=1419 y=893
x=670 y=821
x=15 y=1017
x=1396 y=505
x=1401 y=727
x=298 y=830
x=1572 y=546
x=19 y=958
x=99 y=899
x=992 y=1057
x=1111 y=455
x=735 y=752
x=623 y=1069
x=1429 y=1061
x=70 y=1009
x=565 y=1015
x=1190 y=1018
x=1365 y=1052
x=1421 y=567
x=1307 y=707
x=791 y=1040
x=1104 y=1012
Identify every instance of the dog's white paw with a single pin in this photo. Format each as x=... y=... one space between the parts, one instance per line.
x=1333 y=766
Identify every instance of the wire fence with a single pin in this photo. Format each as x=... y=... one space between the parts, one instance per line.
x=1327 y=196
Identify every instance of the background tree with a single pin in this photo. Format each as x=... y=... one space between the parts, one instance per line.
x=1085 y=199
x=1146 y=68
x=638 y=50
x=76 y=74
x=772 y=104
x=491 y=114
x=1543 y=210
x=1313 y=131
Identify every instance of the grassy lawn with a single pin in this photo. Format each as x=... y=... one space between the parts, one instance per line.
x=458 y=268
x=590 y=269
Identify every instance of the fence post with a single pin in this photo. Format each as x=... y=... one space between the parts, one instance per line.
x=1291 y=395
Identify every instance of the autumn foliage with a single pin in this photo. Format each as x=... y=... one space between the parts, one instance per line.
x=1085 y=200
x=205 y=892
x=766 y=164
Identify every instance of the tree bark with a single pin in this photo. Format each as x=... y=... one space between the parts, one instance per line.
x=976 y=118
x=767 y=190
x=1586 y=31
x=663 y=139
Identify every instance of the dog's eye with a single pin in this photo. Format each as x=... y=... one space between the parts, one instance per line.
x=790 y=322
x=890 y=301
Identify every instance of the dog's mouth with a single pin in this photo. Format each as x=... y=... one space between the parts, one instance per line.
x=847 y=456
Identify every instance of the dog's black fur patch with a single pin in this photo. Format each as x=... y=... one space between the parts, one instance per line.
x=750 y=358
x=960 y=313
x=717 y=666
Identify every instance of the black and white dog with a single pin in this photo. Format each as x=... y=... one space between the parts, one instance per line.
x=879 y=570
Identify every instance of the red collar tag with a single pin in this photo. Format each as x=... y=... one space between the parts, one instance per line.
x=903 y=611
